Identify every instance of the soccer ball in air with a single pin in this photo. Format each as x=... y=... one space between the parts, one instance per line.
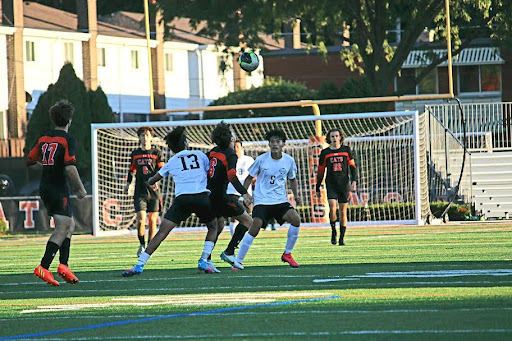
x=248 y=61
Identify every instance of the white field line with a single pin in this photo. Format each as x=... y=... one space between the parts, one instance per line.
x=297 y=312
x=302 y=287
x=290 y=334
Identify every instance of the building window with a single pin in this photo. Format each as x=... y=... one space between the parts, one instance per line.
x=30 y=51
x=469 y=79
x=490 y=78
x=102 y=60
x=168 y=62
x=135 y=59
x=69 y=53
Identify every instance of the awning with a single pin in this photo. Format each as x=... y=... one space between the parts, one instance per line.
x=468 y=56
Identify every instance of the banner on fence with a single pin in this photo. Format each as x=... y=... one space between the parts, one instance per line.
x=28 y=214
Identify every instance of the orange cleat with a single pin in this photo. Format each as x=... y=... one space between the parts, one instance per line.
x=45 y=275
x=67 y=274
x=287 y=258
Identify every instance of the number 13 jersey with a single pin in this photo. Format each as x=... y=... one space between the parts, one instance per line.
x=188 y=169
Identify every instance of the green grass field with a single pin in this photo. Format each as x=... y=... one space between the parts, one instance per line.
x=451 y=282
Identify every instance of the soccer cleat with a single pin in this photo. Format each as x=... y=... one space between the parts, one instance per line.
x=202 y=265
x=136 y=270
x=67 y=274
x=287 y=258
x=45 y=275
x=237 y=266
x=227 y=258
x=140 y=250
x=333 y=237
x=210 y=264
x=341 y=242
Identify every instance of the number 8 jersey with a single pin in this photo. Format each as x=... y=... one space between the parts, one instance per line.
x=188 y=169
x=56 y=149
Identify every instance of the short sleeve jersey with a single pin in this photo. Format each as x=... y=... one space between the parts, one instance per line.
x=338 y=163
x=242 y=171
x=272 y=175
x=222 y=170
x=189 y=170
x=145 y=164
x=56 y=150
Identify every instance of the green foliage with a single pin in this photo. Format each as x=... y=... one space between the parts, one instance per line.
x=3 y=226
x=456 y=212
x=273 y=90
x=90 y=107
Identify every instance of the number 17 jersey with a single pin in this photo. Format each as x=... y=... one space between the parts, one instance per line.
x=188 y=169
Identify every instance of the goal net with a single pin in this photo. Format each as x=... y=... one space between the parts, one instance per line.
x=389 y=150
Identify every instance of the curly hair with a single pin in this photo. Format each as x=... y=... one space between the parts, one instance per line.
x=142 y=131
x=275 y=133
x=221 y=135
x=342 y=135
x=61 y=113
x=176 y=139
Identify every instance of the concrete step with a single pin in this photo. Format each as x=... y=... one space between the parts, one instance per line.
x=488 y=191
x=496 y=167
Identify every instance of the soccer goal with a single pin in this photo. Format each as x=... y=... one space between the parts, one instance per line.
x=389 y=148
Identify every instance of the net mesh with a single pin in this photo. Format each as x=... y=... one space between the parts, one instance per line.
x=383 y=147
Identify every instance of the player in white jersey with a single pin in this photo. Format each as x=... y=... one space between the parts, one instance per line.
x=273 y=169
x=242 y=171
x=189 y=169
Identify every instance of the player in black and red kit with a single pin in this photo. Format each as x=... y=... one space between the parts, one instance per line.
x=56 y=150
x=144 y=163
x=337 y=159
x=222 y=170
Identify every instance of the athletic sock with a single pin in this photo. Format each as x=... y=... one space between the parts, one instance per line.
x=143 y=258
x=141 y=240
x=343 y=229
x=333 y=225
x=64 y=251
x=207 y=249
x=49 y=254
x=236 y=239
x=231 y=227
x=245 y=245
x=293 y=234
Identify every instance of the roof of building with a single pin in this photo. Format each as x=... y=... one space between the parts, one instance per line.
x=468 y=56
x=38 y=16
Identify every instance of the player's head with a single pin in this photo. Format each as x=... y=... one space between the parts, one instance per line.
x=145 y=135
x=177 y=139
x=276 y=139
x=239 y=149
x=334 y=135
x=222 y=135
x=61 y=113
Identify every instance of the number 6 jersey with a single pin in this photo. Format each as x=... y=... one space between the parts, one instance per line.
x=145 y=164
x=188 y=169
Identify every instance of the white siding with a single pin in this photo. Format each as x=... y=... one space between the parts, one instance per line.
x=4 y=92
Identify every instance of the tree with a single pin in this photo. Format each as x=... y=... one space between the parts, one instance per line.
x=372 y=49
x=90 y=107
x=273 y=90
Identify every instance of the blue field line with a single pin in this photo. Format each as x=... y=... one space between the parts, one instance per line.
x=208 y=312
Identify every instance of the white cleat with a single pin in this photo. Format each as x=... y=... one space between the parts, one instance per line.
x=210 y=264
x=227 y=258
x=237 y=266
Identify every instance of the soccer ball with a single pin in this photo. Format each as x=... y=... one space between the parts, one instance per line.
x=248 y=61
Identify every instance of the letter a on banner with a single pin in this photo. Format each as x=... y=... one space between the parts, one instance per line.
x=319 y=204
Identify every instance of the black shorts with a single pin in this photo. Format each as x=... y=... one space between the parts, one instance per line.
x=186 y=204
x=146 y=204
x=338 y=193
x=226 y=206
x=267 y=212
x=56 y=201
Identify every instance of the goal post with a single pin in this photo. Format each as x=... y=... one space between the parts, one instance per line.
x=389 y=148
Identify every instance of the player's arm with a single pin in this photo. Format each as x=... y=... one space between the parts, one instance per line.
x=248 y=181
x=33 y=158
x=132 y=170
x=74 y=180
x=320 y=171
x=353 y=170
x=154 y=179
x=294 y=186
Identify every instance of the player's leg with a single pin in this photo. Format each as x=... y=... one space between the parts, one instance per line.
x=259 y=216
x=63 y=270
x=141 y=230
x=152 y=220
x=291 y=216
x=333 y=217
x=233 y=208
x=343 y=222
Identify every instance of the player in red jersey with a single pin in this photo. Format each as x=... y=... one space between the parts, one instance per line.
x=144 y=163
x=56 y=150
x=338 y=160
x=222 y=171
